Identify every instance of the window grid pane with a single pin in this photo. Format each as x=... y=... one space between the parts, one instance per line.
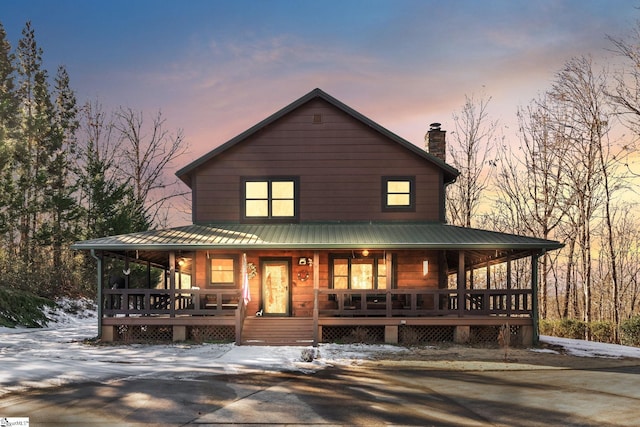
x=370 y=273
x=270 y=199
x=222 y=271
x=398 y=193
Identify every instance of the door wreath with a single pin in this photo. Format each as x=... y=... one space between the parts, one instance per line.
x=303 y=275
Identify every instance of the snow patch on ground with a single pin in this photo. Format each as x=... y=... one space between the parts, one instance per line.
x=583 y=348
x=58 y=355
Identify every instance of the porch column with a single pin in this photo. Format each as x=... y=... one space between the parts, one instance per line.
x=172 y=283
x=488 y=275
x=148 y=274
x=461 y=283
x=127 y=271
x=534 y=297
x=99 y=278
x=510 y=296
x=316 y=286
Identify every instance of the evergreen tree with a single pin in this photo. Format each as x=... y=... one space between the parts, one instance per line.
x=33 y=161
x=63 y=209
x=9 y=128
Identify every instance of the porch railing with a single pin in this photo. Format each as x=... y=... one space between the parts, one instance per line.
x=331 y=302
x=194 y=301
x=436 y=302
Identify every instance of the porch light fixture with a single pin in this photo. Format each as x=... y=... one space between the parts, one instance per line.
x=425 y=267
x=305 y=261
x=181 y=262
x=365 y=252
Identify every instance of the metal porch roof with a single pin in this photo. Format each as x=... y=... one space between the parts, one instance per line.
x=317 y=236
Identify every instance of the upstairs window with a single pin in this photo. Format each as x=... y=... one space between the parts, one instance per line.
x=398 y=193
x=271 y=199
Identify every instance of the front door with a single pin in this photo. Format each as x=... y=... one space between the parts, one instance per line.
x=275 y=286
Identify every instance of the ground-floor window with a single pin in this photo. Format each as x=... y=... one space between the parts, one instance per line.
x=223 y=271
x=351 y=272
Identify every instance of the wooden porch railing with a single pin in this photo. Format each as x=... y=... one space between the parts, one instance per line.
x=415 y=302
x=194 y=301
x=330 y=302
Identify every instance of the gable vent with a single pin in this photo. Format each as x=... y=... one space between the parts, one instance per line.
x=317 y=118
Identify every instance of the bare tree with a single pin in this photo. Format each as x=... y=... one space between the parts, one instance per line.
x=530 y=180
x=626 y=93
x=147 y=153
x=583 y=92
x=470 y=152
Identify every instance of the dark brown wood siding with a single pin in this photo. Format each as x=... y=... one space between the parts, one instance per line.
x=340 y=162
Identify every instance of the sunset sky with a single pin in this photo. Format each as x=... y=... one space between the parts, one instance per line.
x=215 y=68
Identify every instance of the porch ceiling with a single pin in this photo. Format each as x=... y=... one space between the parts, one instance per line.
x=480 y=244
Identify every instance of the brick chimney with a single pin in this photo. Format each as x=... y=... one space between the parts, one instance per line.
x=435 y=141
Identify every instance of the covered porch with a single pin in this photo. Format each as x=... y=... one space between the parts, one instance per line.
x=465 y=295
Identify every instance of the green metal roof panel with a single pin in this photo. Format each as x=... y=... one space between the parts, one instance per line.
x=317 y=236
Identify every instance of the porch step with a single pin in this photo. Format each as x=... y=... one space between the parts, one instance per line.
x=277 y=331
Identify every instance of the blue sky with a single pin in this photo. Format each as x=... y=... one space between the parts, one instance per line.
x=215 y=68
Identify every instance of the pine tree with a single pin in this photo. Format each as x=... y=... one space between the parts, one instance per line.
x=32 y=163
x=63 y=209
x=9 y=128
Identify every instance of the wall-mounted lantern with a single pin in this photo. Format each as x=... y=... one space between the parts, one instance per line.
x=425 y=267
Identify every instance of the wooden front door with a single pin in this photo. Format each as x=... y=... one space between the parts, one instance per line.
x=276 y=283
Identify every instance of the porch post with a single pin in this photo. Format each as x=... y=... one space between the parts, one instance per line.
x=172 y=283
x=461 y=283
x=510 y=296
x=99 y=280
x=316 y=286
x=534 y=297
x=128 y=272
x=148 y=274
x=488 y=275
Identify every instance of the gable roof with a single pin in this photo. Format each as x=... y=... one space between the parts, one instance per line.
x=450 y=173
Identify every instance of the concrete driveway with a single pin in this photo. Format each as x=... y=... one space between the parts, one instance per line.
x=446 y=389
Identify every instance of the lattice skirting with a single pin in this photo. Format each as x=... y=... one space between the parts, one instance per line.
x=143 y=333
x=164 y=333
x=211 y=333
x=496 y=335
x=421 y=334
x=353 y=334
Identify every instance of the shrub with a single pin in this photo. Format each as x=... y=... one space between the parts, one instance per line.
x=565 y=328
x=547 y=327
x=601 y=331
x=630 y=331
x=572 y=328
x=20 y=308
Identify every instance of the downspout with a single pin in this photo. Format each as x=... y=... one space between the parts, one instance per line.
x=99 y=261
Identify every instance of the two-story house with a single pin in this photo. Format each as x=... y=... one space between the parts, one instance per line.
x=318 y=224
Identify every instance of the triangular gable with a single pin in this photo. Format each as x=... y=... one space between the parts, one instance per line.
x=450 y=173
